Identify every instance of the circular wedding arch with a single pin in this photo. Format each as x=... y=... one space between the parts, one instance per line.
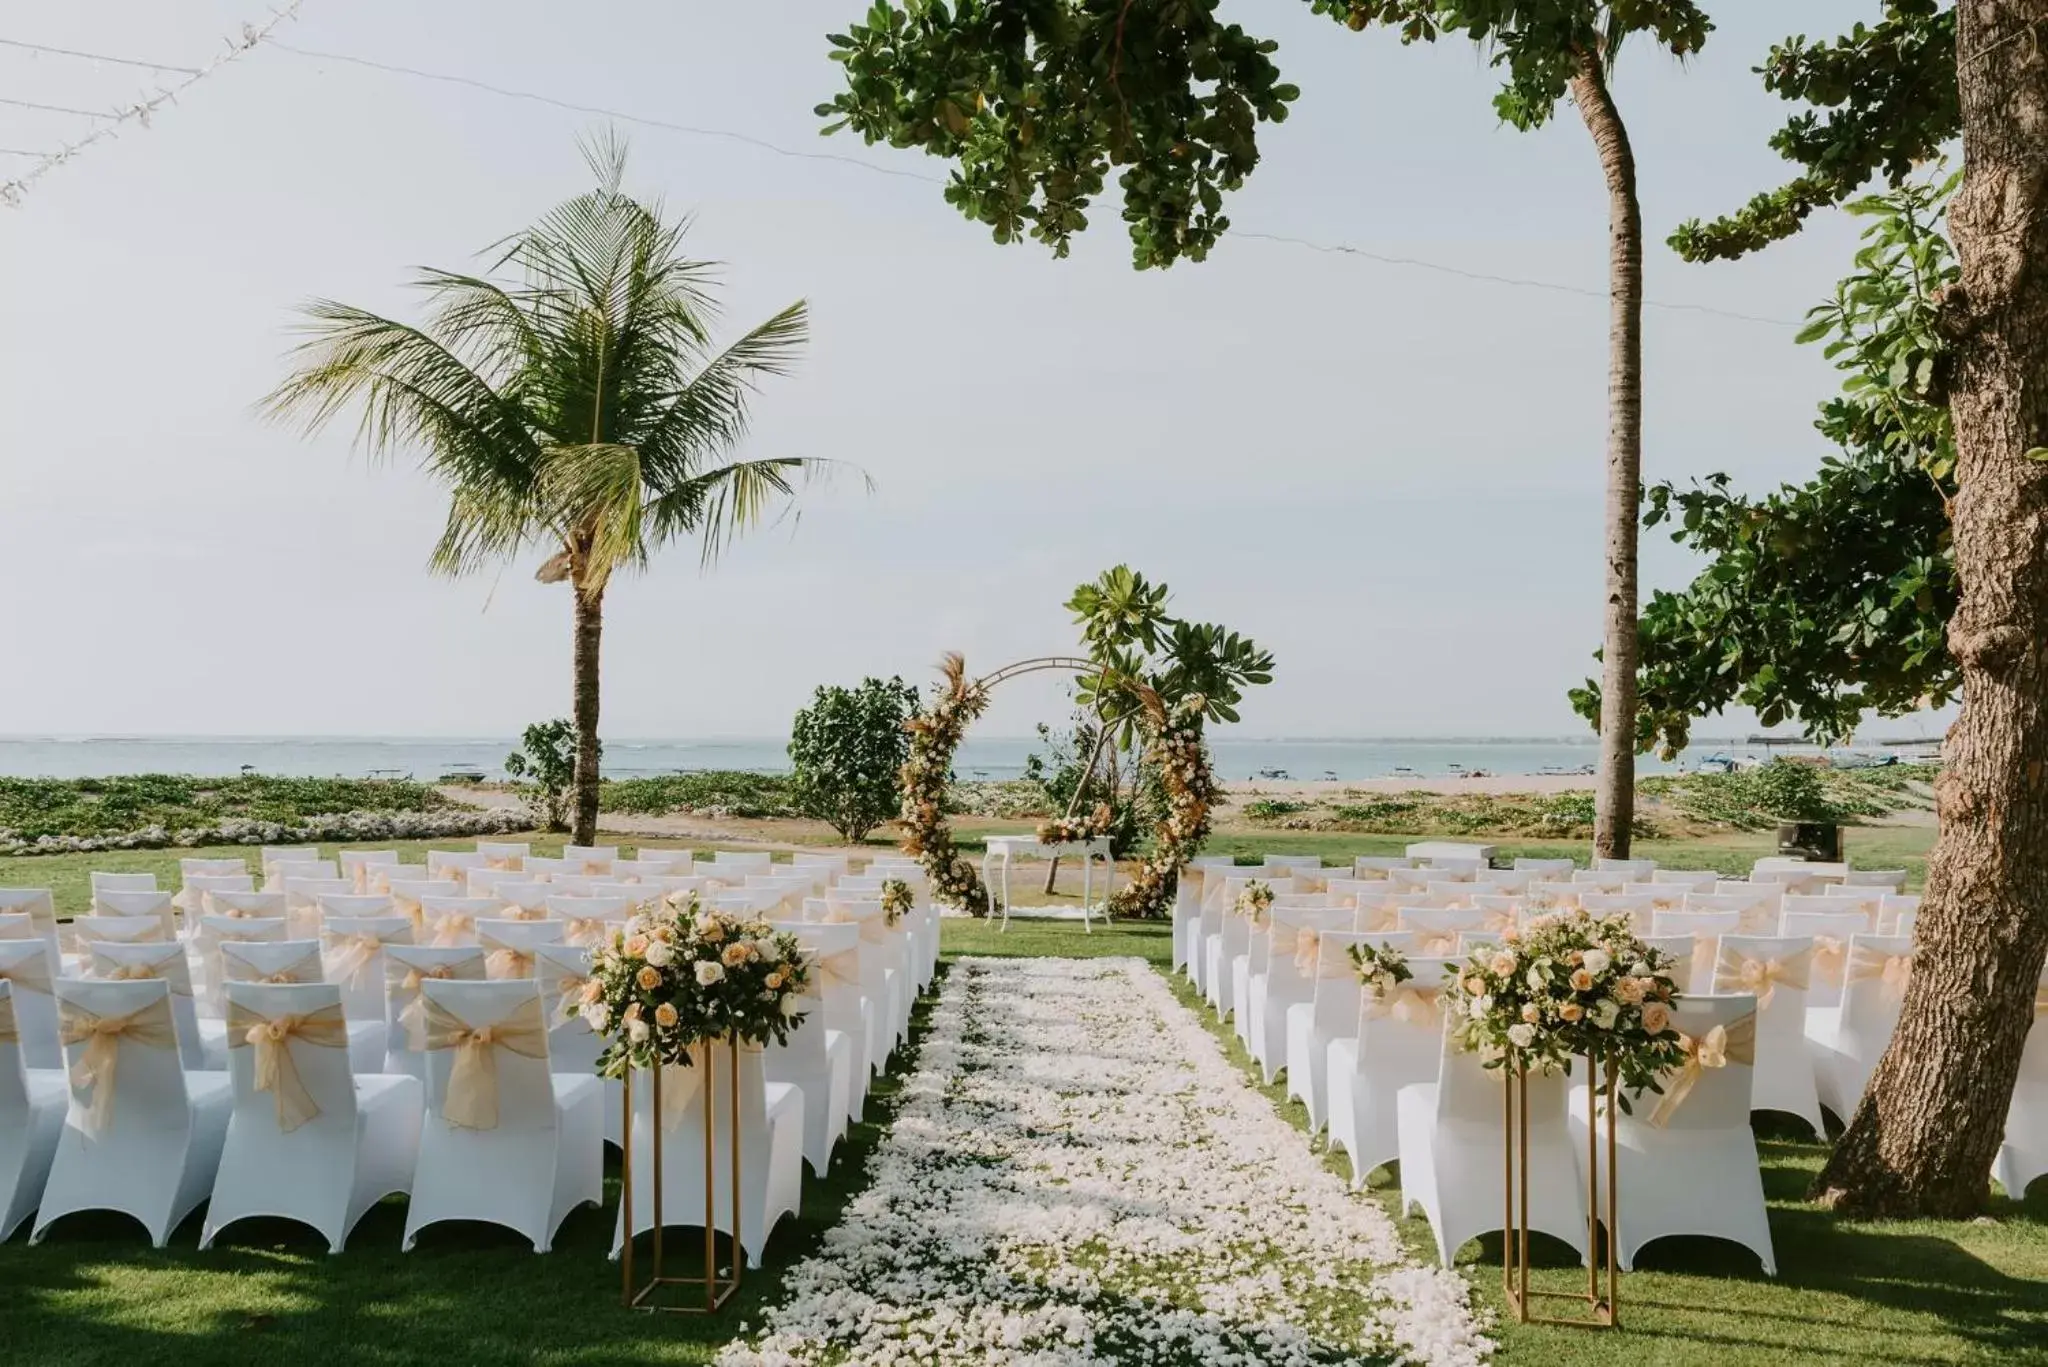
x=1173 y=738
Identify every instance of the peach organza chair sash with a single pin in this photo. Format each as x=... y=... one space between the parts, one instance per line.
x=10 y=1029
x=505 y=961
x=276 y=1073
x=471 y=1102
x=680 y=1085
x=1893 y=970
x=585 y=931
x=1436 y=944
x=571 y=987
x=842 y=968
x=304 y=969
x=408 y=907
x=1896 y=970
x=108 y=970
x=508 y=862
x=1830 y=957
x=1410 y=1003
x=450 y=926
x=1737 y=972
x=1734 y=1042
x=402 y=983
x=97 y=1068
x=28 y=975
x=351 y=957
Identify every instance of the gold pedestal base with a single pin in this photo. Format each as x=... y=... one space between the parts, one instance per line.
x=1601 y=1299
x=712 y=1289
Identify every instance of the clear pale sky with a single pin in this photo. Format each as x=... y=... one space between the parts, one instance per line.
x=1389 y=476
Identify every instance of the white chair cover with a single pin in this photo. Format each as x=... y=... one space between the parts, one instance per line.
x=31 y=1117
x=1777 y=972
x=307 y=1140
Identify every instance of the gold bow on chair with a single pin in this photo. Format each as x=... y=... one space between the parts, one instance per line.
x=513 y=911
x=1830 y=956
x=402 y=982
x=1719 y=1047
x=572 y=985
x=95 y=1071
x=1308 y=947
x=108 y=970
x=584 y=930
x=471 y=1102
x=680 y=1084
x=1737 y=972
x=842 y=968
x=350 y=957
x=1896 y=970
x=837 y=915
x=276 y=1072
x=592 y=868
x=10 y=1030
x=450 y=927
x=28 y=975
x=1409 y=1003
x=1436 y=944
x=1497 y=923
x=1375 y=919
x=304 y=969
x=410 y=908
x=506 y=863
x=505 y=961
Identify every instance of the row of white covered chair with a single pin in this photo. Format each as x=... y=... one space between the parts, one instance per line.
x=796 y=1098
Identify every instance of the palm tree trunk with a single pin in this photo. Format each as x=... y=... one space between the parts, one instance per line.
x=1615 y=791
x=589 y=636
x=1923 y=1138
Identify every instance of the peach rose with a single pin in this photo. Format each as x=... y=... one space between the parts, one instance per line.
x=665 y=1016
x=1570 y=1011
x=636 y=946
x=1531 y=1012
x=1656 y=1017
x=648 y=977
x=1475 y=985
x=735 y=955
x=1582 y=981
x=1629 y=991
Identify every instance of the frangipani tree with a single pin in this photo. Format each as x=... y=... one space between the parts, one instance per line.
x=576 y=406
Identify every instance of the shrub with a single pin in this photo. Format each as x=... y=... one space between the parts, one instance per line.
x=711 y=792
x=1272 y=808
x=845 y=750
x=31 y=808
x=547 y=759
x=1129 y=784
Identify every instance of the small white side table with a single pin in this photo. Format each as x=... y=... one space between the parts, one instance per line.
x=1003 y=848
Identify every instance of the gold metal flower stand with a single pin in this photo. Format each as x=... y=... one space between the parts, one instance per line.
x=712 y=1289
x=1602 y=1296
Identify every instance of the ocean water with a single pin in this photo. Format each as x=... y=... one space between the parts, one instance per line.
x=427 y=758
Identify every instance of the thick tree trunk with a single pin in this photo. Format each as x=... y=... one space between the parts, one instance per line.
x=1922 y=1141
x=589 y=636
x=1615 y=792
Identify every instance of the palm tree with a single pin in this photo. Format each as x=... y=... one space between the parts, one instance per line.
x=580 y=409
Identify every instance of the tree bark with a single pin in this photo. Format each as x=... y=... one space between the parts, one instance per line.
x=589 y=636
x=1615 y=789
x=1923 y=1138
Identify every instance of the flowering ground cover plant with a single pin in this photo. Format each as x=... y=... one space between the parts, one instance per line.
x=1380 y=969
x=1565 y=984
x=896 y=900
x=1061 y=830
x=675 y=975
x=1077 y=1175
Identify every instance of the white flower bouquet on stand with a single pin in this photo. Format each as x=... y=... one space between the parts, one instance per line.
x=672 y=984
x=1567 y=986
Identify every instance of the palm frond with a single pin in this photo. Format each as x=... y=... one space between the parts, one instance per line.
x=708 y=415
x=595 y=489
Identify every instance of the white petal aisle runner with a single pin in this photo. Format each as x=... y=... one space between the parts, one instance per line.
x=1077 y=1175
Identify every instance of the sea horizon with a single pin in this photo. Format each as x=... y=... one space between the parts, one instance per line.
x=427 y=757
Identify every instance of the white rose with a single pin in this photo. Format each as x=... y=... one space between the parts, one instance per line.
x=636 y=1030
x=1597 y=961
x=597 y=1016
x=1639 y=969
x=791 y=1004
x=659 y=954
x=1605 y=1013
x=1521 y=1036
x=709 y=971
x=1481 y=1007
x=1535 y=978
x=771 y=952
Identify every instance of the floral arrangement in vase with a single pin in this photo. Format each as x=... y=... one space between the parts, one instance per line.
x=896 y=900
x=676 y=975
x=1565 y=984
x=1254 y=901
x=1062 y=830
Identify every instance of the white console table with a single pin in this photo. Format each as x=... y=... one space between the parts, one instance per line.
x=1003 y=848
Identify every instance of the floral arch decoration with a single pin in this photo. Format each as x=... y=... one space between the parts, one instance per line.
x=1173 y=736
